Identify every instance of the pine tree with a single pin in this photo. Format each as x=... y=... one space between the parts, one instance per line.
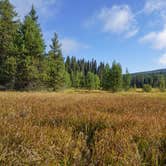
x=162 y=83
x=30 y=57
x=93 y=81
x=56 y=66
x=97 y=81
x=8 y=28
x=116 y=77
x=34 y=43
x=68 y=65
x=106 y=81
x=126 y=80
x=33 y=15
x=67 y=80
x=90 y=81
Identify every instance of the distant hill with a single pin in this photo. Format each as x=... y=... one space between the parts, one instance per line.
x=159 y=71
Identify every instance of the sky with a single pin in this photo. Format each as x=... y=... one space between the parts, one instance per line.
x=132 y=32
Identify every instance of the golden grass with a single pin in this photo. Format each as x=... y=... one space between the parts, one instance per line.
x=82 y=129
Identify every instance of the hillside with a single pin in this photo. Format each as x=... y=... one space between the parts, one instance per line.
x=159 y=71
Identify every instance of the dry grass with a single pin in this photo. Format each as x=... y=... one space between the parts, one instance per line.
x=82 y=129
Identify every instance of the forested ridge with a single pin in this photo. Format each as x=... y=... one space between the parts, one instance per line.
x=25 y=65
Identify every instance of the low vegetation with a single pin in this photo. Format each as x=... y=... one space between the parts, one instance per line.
x=82 y=128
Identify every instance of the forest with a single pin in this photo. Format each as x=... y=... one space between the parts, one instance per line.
x=59 y=110
x=25 y=64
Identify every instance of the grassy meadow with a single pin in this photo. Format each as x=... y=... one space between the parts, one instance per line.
x=82 y=128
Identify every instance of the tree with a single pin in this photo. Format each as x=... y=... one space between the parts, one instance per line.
x=162 y=83
x=100 y=72
x=106 y=81
x=56 y=66
x=30 y=49
x=93 y=81
x=8 y=28
x=67 y=80
x=34 y=43
x=97 y=81
x=116 y=77
x=77 y=79
x=126 y=80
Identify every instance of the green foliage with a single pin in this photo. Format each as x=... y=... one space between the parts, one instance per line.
x=162 y=83
x=24 y=65
x=93 y=81
x=8 y=28
x=126 y=81
x=30 y=48
x=34 y=43
x=67 y=80
x=116 y=77
x=147 y=88
x=56 y=66
x=106 y=77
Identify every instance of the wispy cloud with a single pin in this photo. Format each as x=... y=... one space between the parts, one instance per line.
x=162 y=60
x=156 y=39
x=43 y=7
x=154 y=6
x=117 y=19
x=72 y=46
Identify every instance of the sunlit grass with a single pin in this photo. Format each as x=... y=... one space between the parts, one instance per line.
x=82 y=128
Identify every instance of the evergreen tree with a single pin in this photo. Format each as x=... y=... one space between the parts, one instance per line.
x=68 y=65
x=31 y=52
x=67 y=80
x=126 y=80
x=93 y=81
x=106 y=81
x=33 y=15
x=116 y=77
x=97 y=81
x=56 y=66
x=100 y=72
x=162 y=83
x=34 y=43
x=8 y=28
x=77 y=79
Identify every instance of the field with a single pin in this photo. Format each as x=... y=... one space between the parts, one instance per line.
x=82 y=129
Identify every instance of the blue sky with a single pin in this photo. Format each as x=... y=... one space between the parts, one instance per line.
x=129 y=31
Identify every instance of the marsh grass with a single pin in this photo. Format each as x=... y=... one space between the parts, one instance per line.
x=79 y=128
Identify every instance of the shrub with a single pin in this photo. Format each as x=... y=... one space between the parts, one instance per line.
x=147 y=88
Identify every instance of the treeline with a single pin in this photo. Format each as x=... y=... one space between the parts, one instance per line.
x=155 y=80
x=24 y=64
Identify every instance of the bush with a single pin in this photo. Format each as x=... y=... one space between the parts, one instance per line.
x=147 y=88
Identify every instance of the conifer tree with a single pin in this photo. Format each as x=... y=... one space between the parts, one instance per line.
x=116 y=77
x=34 y=43
x=31 y=53
x=8 y=28
x=93 y=81
x=106 y=81
x=126 y=80
x=56 y=66
x=162 y=83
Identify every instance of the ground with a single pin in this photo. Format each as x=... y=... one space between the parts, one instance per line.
x=82 y=128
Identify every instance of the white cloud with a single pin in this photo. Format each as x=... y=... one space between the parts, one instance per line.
x=71 y=46
x=43 y=6
x=162 y=60
x=119 y=20
x=154 y=5
x=156 y=39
